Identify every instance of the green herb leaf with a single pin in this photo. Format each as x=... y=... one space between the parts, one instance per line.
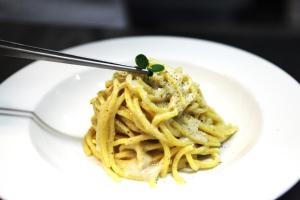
x=141 y=61
x=156 y=68
x=150 y=73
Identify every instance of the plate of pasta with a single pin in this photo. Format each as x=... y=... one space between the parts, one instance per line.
x=209 y=121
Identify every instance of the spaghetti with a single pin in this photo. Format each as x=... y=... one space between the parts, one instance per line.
x=143 y=128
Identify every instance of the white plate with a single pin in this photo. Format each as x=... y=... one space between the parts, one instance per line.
x=260 y=162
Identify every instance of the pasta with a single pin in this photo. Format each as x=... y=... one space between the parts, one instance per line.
x=145 y=127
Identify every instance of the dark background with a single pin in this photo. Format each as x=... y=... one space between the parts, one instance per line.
x=268 y=28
